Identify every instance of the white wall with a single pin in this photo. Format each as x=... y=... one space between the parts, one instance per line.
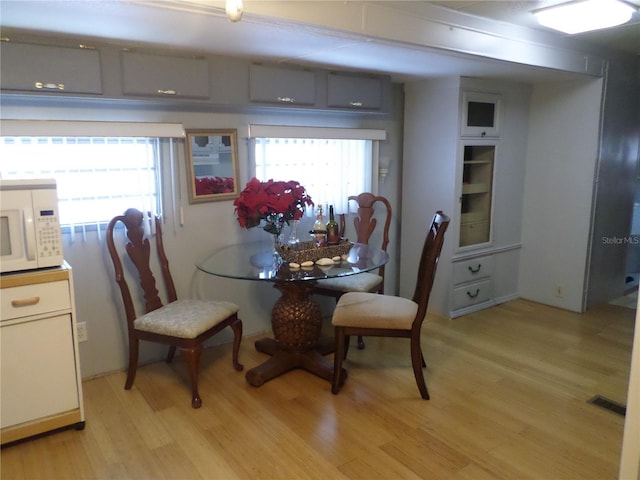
x=558 y=191
x=630 y=455
x=207 y=227
x=429 y=167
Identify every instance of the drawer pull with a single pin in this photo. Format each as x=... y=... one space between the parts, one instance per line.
x=473 y=295
x=356 y=104
x=286 y=99
x=476 y=270
x=25 y=302
x=167 y=92
x=49 y=86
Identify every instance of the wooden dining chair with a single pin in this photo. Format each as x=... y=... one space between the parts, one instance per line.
x=183 y=324
x=365 y=224
x=374 y=315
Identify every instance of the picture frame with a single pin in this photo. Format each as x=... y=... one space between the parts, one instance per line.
x=212 y=165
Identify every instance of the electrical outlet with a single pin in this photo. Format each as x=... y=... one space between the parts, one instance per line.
x=559 y=291
x=81 y=329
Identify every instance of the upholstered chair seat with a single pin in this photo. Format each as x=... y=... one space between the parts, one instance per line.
x=372 y=310
x=363 y=282
x=185 y=318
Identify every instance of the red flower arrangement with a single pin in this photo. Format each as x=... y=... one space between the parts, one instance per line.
x=275 y=202
x=212 y=185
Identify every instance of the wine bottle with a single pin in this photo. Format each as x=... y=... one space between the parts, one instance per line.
x=333 y=236
x=320 y=229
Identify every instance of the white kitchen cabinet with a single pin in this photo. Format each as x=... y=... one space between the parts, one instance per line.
x=282 y=86
x=480 y=114
x=40 y=370
x=354 y=92
x=50 y=69
x=476 y=177
x=164 y=76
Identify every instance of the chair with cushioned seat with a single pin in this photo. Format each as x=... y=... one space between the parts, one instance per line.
x=183 y=324
x=375 y=315
x=365 y=224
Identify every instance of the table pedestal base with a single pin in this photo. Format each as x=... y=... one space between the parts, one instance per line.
x=296 y=321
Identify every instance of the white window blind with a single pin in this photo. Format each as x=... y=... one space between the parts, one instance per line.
x=97 y=177
x=331 y=163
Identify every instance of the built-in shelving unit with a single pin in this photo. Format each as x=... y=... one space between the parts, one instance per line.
x=481 y=124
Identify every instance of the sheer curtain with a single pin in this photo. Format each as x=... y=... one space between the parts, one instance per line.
x=330 y=169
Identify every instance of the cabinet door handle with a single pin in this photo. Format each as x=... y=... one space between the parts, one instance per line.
x=286 y=99
x=356 y=104
x=49 y=86
x=25 y=302
x=475 y=270
x=473 y=295
x=167 y=92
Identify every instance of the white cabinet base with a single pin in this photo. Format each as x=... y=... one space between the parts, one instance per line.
x=40 y=378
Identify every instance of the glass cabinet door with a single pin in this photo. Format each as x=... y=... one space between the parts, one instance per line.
x=476 y=194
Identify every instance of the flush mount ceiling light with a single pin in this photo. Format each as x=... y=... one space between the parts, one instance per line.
x=234 y=10
x=585 y=15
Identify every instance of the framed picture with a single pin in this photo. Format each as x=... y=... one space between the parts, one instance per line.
x=212 y=164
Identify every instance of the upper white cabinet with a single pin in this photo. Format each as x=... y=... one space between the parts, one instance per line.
x=164 y=76
x=33 y=66
x=481 y=112
x=354 y=91
x=282 y=86
x=50 y=69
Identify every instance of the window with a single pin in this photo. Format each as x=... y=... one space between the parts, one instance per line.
x=97 y=177
x=330 y=163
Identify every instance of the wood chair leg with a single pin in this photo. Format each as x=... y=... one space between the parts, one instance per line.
x=171 y=354
x=417 y=361
x=134 y=344
x=347 y=340
x=360 y=343
x=192 y=356
x=237 y=338
x=339 y=355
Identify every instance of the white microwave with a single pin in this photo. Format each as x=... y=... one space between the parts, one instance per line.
x=30 y=235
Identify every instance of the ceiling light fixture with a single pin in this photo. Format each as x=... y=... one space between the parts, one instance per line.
x=585 y=15
x=234 y=10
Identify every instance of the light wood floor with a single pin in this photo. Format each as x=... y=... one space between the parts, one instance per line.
x=509 y=389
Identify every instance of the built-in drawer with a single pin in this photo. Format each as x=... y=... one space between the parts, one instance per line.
x=472 y=270
x=26 y=300
x=472 y=294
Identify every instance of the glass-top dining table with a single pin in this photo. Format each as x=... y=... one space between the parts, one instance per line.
x=296 y=318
